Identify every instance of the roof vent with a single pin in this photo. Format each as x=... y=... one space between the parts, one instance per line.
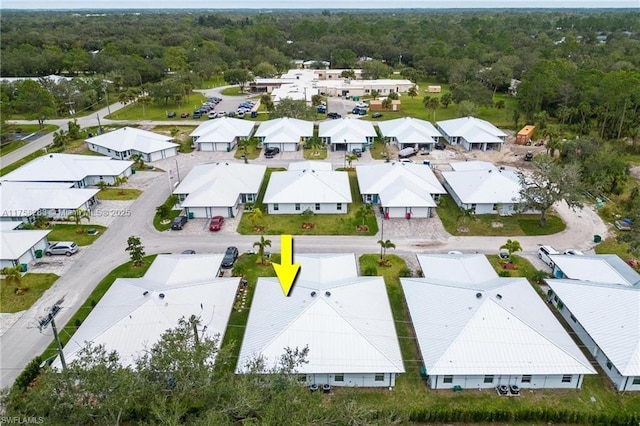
x=327 y=293
x=313 y=294
x=145 y=293
x=499 y=296
x=478 y=295
x=161 y=295
x=50 y=155
x=490 y=170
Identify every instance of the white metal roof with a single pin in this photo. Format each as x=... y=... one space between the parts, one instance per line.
x=220 y=184
x=346 y=130
x=130 y=138
x=308 y=186
x=502 y=329
x=310 y=165
x=466 y=268
x=399 y=184
x=600 y=268
x=610 y=313
x=67 y=168
x=129 y=321
x=224 y=129
x=348 y=330
x=16 y=243
x=465 y=166
x=409 y=130
x=284 y=130
x=472 y=129
x=484 y=186
x=6 y=225
x=27 y=198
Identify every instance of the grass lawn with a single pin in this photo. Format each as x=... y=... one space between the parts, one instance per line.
x=119 y=194
x=34 y=284
x=379 y=150
x=233 y=91
x=485 y=224
x=215 y=81
x=521 y=266
x=69 y=232
x=156 y=112
x=180 y=134
x=323 y=224
x=314 y=154
x=157 y=223
x=612 y=246
x=26 y=129
x=125 y=270
x=251 y=149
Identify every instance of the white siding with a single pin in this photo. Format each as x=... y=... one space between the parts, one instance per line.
x=367 y=380
x=290 y=208
x=477 y=382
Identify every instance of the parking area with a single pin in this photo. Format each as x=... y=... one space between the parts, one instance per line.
x=200 y=226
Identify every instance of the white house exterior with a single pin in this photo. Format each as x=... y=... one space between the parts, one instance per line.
x=310 y=165
x=296 y=191
x=478 y=331
x=79 y=170
x=403 y=190
x=23 y=201
x=135 y=312
x=408 y=132
x=218 y=189
x=484 y=189
x=605 y=317
x=121 y=144
x=344 y=320
x=600 y=268
x=348 y=88
x=287 y=134
x=19 y=246
x=347 y=134
x=222 y=134
x=472 y=133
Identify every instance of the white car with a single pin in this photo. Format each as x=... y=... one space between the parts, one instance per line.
x=64 y=247
x=573 y=252
x=455 y=252
x=362 y=105
x=404 y=160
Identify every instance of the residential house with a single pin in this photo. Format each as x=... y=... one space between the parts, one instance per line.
x=126 y=142
x=286 y=134
x=403 y=190
x=310 y=165
x=218 y=189
x=482 y=188
x=343 y=319
x=79 y=170
x=347 y=134
x=410 y=132
x=222 y=134
x=134 y=313
x=476 y=330
x=472 y=133
x=19 y=247
x=600 y=268
x=319 y=191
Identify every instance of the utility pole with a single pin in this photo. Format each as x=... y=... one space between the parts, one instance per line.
x=177 y=171
x=382 y=234
x=49 y=319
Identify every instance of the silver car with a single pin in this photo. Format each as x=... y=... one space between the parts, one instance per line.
x=64 y=247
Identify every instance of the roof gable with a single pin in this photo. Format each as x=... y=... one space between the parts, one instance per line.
x=484 y=186
x=409 y=130
x=130 y=138
x=308 y=186
x=472 y=129
x=346 y=130
x=224 y=129
x=375 y=178
x=601 y=268
x=14 y=244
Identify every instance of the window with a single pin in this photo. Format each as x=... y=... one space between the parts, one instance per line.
x=555 y=299
x=567 y=378
x=488 y=379
x=339 y=206
x=297 y=206
x=379 y=377
x=276 y=207
x=609 y=365
x=526 y=378
x=495 y=207
x=317 y=206
x=447 y=379
x=636 y=380
x=339 y=377
x=573 y=319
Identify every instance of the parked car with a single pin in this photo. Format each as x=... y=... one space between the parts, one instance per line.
x=189 y=252
x=271 y=152
x=230 y=257
x=514 y=389
x=544 y=252
x=216 y=223
x=406 y=152
x=334 y=115
x=502 y=389
x=184 y=115
x=64 y=247
x=376 y=115
x=171 y=114
x=528 y=156
x=454 y=252
x=321 y=109
x=357 y=152
x=623 y=225
x=362 y=105
x=241 y=115
x=405 y=160
x=359 y=111
x=439 y=145
x=212 y=114
x=197 y=114
x=178 y=223
x=573 y=252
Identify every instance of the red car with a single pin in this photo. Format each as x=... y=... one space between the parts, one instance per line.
x=216 y=223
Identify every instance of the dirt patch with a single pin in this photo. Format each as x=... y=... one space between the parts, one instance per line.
x=463 y=229
x=362 y=228
x=307 y=225
x=497 y=225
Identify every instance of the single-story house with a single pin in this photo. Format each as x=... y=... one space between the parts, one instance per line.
x=296 y=191
x=600 y=268
x=19 y=246
x=135 y=312
x=483 y=188
x=347 y=134
x=128 y=141
x=287 y=134
x=218 y=189
x=349 y=88
x=472 y=133
x=79 y=170
x=343 y=319
x=23 y=201
x=604 y=314
x=476 y=330
x=410 y=132
x=403 y=190
x=221 y=134
x=310 y=165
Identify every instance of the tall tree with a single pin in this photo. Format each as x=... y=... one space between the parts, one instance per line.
x=239 y=76
x=262 y=244
x=136 y=250
x=511 y=246
x=432 y=104
x=384 y=245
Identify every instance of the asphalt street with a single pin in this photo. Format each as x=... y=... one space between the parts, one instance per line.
x=22 y=341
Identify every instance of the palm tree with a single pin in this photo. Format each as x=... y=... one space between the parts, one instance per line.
x=256 y=216
x=446 y=99
x=387 y=103
x=412 y=92
x=364 y=211
x=350 y=157
x=384 y=245
x=261 y=246
x=511 y=246
x=266 y=100
x=78 y=215
x=374 y=94
x=137 y=160
x=102 y=185
x=13 y=275
x=120 y=180
x=61 y=138
x=41 y=222
x=431 y=103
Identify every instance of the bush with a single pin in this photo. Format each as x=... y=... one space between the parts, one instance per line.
x=504 y=274
x=370 y=271
x=27 y=376
x=405 y=272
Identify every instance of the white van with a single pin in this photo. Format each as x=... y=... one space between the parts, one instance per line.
x=544 y=252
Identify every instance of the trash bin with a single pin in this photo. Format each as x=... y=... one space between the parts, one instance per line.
x=190 y=215
x=254 y=114
x=133 y=171
x=38 y=254
x=23 y=267
x=597 y=238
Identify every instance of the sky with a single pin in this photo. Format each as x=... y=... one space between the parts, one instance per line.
x=313 y=4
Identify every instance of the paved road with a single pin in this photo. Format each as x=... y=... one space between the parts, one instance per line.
x=21 y=342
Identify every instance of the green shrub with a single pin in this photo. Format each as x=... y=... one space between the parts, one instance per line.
x=27 y=376
x=405 y=272
x=370 y=271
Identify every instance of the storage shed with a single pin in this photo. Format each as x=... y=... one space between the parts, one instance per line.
x=525 y=135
